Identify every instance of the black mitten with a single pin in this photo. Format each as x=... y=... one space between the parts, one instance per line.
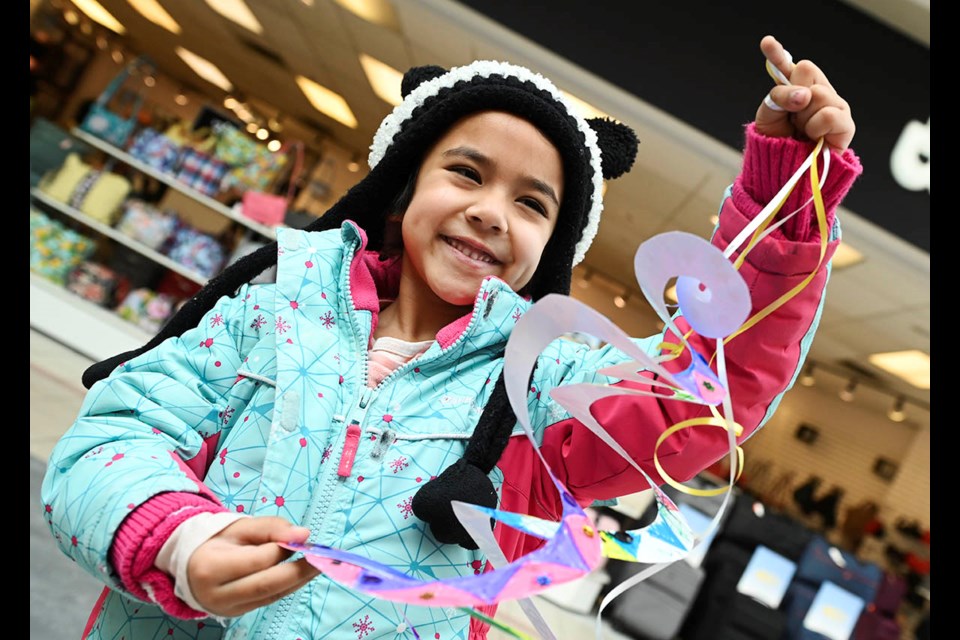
x=460 y=481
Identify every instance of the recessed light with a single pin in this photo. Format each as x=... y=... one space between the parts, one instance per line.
x=911 y=365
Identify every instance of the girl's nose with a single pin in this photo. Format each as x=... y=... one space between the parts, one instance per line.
x=488 y=213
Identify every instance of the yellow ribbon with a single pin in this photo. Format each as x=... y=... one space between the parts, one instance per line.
x=673 y=350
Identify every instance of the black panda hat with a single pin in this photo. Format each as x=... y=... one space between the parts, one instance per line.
x=433 y=100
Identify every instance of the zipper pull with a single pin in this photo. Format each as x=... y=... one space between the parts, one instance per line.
x=349 y=453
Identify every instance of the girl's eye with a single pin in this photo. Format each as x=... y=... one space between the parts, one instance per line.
x=534 y=204
x=467 y=172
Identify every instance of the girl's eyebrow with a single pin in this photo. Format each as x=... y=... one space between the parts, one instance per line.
x=473 y=154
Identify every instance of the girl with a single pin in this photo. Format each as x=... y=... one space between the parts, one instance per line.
x=350 y=401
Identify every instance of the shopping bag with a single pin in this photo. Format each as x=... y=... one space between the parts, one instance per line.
x=269 y=208
x=109 y=125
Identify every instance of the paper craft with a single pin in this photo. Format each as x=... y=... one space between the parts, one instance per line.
x=715 y=301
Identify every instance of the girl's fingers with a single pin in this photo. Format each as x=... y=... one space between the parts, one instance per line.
x=777 y=55
x=834 y=125
x=807 y=74
x=260 y=588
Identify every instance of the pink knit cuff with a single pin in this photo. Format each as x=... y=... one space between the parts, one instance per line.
x=769 y=162
x=139 y=539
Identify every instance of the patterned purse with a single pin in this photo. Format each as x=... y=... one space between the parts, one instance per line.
x=56 y=249
x=146 y=223
x=198 y=251
x=108 y=125
x=155 y=150
x=201 y=171
x=97 y=283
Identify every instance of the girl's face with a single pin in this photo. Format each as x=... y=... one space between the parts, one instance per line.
x=486 y=201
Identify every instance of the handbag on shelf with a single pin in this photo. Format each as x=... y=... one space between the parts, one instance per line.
x=196 y=250
x=233 y=146
x=146 y=308
x=49 y=146
x=98 y=193
x=269 y=208
x=109 y=125
x=147 y=223
x=201 y=171
x=156 y=150
x=55 y=249
x=258 y=173
x=97 y=283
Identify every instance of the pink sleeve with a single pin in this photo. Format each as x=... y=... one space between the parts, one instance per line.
x=139 y=539
x=768 y=163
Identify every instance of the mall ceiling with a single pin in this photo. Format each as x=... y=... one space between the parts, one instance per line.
x=880 y=304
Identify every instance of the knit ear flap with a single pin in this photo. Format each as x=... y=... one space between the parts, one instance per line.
x=416 y=76
x=618 y=146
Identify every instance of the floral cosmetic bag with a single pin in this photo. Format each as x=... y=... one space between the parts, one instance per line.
x=196 y=250
x=147 y=223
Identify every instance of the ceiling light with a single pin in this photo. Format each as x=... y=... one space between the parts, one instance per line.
x=384 y=79
x=807 y=379
x=327 y=102
x=911 y=365
x=584 y=109
x=845 y=256
x=237 y=11
x=230 y=102
x=376 y=11
x=274 y=145
x=95 y=11
x=847 y=393
x=621 y=301
x=714 y=220
x=181 y=99
x=205 y=69
x=252 y=127
x=354 y=165
x=896 y=413
x=152 y=11
x=262 y=134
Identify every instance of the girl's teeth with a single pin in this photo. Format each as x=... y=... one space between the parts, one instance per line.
x=470 y=252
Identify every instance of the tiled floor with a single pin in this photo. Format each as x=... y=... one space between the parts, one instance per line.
x=61 y=595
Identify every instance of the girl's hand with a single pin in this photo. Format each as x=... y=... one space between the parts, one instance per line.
x=809 y=107
x=242 y=568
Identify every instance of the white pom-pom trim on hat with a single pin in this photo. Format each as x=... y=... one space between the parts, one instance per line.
x=392 y=124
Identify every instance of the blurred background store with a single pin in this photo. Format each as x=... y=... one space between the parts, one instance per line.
x=152 y=123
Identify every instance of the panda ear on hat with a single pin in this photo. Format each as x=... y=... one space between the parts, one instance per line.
x=415 y=76
x=618 y=146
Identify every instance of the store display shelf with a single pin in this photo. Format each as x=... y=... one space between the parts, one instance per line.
x=122 y=238
x=172 y=182
x=85 y=327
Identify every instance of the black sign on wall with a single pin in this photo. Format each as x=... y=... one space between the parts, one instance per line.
x=700 y=61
